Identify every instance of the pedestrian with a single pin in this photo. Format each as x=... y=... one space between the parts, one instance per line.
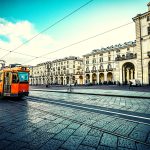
x=69 y=89
x=130 y=84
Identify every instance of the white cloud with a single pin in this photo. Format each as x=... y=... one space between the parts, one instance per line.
x=19 y=32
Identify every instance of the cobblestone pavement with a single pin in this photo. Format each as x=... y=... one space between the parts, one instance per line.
x=128 y=104
x=35 y=124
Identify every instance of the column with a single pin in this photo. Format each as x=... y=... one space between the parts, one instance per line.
x=90 y=77
x=127 y=75
x=98 y=77
x=105 y=76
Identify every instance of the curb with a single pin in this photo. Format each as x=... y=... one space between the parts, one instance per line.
x=127 y=96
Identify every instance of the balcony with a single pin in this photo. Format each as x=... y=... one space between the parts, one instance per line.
x=126 y=57
x=87 y=71
x=131 y=56
x=148 y=53
x=101 y=70
x=93 y=71
x=109 y=69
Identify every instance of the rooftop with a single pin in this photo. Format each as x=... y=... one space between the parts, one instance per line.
x=112 y=48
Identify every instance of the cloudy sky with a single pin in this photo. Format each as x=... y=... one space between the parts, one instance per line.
x=21 y=20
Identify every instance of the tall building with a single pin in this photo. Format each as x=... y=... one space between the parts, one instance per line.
x=142 y=26
x=108 y=65
x=61 y=71
x=122 y=62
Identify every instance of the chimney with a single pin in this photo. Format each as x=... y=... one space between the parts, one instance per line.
x=148 y=6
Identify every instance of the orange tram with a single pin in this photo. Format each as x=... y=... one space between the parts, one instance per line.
x=14 y=81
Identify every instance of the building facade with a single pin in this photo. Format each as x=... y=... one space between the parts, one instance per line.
x=117 y=63
x=142 y=26
x=61 y=71
x=103 y=65
x=38 y=74
x=122 y=62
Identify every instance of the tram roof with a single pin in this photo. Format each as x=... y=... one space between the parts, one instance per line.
x=15 y=69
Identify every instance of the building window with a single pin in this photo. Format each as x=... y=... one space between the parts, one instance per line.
x=94 y=68
x=148 y=18
x=94 y=61
x=87 y=69
x=148 y=29
x=87 y=61
x=109 y=66
x=73 y=66
x=128 y=49
x=101 y=55
x=101 y=59
x=109 y=58
x=101 y=67
x=108 y=52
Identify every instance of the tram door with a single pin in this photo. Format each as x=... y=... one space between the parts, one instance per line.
x=7 y=82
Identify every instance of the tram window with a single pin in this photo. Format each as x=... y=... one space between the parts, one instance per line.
x=15 y=78
x=23 y=76
x=1 y=77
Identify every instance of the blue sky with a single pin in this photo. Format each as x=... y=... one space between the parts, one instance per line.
x=97 y=17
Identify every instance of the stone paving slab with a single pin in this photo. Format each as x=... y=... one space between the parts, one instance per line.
x=49 y=128
x=135 y=94
x=138 y=105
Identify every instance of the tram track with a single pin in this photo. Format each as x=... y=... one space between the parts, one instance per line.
x=134 y=116
x=35 y=99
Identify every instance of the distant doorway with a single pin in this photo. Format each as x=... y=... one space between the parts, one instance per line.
x=80 y=79
x=94 y=78
x=109 y=76
x=101 y=77
x=128 y=72
x=87 y=78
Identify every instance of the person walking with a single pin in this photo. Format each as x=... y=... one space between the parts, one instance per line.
x=69 y=88
x=130 y=84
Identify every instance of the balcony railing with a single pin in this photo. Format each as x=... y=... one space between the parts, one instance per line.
x=109 y=69
x=88 y=71
x=79 y=73
x=101 y=70
x=93 y=71
x=126 y=57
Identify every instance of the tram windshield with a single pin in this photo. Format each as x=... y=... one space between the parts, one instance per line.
x=23 y=76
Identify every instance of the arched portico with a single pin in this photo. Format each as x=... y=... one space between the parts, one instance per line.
x=87 y=78
x=128 y=72
x=67 y=80
x=94 y=78
x=61 y=80
x=73 y=79
x=101 y=77
x=56 y=80
x=109 y=76
x=80 y=79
